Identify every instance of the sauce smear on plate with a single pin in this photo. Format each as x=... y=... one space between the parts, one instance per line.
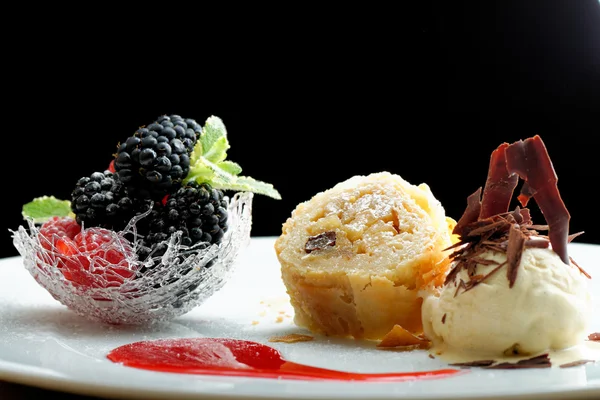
x=232 y=357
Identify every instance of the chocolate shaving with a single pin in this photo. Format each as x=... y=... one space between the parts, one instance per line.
x=461 y=285
x=478 y=363
x=594 y=337
x=487 y=225
x=483 y=261
x=530 y=160
x=514 y=251
x=454 y=246
x=494 y=246
x=490 y=227
x=320 y=241
x=471 y=267
x=573 y=236
x=540 y=243
x=575 y=363
x=541 y=361
x=452 y=274
x=472 y=283
x=580 y=269
x=522 y=216
x=444 y=319
x=539 y=227
x=471 y=214
x=499 y=186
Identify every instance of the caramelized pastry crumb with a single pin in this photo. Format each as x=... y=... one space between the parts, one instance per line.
x=291 y=338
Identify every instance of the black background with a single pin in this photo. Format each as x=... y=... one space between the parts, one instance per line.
x=425 y=91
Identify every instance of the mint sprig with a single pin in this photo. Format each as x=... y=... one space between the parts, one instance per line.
x=41 y=209
x=208 y=163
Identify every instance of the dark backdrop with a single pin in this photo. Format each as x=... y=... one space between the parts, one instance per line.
x=426 y=92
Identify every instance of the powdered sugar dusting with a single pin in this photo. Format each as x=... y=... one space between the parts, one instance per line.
x=134 y=291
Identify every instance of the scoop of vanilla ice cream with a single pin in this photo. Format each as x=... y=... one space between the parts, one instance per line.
x=548 y=308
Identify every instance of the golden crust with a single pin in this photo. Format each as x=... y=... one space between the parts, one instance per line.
x=389 y=244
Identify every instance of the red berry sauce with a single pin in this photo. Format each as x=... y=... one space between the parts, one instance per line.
x=243 y=358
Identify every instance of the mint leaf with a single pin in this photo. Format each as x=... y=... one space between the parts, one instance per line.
x=199 y=173
x=230 y=166
x=217 y=177
x=208 y=163
x=212 y=143
x=212 y=131
x=206 y=171
x=41 y=209
x=248 y=184
x=218 y=151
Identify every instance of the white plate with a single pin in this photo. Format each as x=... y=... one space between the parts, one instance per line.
x=44 y=344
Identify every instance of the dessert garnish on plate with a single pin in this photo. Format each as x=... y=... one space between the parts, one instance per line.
x=512 y=291
x=152 y=235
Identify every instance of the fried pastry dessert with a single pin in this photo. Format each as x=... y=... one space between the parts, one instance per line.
x=355 y=257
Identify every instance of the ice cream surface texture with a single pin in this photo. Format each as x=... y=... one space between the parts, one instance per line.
x=355 y=257
x=547 y=308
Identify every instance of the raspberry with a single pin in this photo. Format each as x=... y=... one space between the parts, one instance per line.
x=101 y=252
x=52 y=236
x=56 y=229
x=94 y=257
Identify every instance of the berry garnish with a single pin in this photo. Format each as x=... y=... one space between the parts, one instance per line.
x=100 y=200
x=93 y=257
x=56 y=229
x=98 y=258
x=52 y=236
x=157 y=157
x=174 y=172
x=198 y=211
x=157 y=232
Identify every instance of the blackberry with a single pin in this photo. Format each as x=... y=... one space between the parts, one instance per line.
x=199 y=211
x=156 y=158
x=101 y=200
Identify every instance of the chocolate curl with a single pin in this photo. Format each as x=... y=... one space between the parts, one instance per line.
x=541 y=361
x=499 y=186
x=530 y=160
x=471 y=213
x=514 y=251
